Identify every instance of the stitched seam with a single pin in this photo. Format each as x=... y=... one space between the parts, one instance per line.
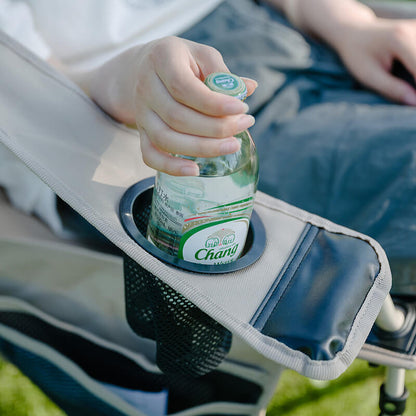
x=293 y=274
x=259 y=312
x=289 y=283
x=285 y=276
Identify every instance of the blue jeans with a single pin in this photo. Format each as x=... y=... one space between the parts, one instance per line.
x=326 y=144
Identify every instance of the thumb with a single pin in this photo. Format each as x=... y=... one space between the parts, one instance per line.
x=209 y=60
x=251 y=85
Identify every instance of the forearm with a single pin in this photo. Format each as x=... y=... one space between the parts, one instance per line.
x=110 y=85
x=329 y=20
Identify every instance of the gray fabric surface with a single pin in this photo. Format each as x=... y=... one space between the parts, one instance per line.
x=326 y=144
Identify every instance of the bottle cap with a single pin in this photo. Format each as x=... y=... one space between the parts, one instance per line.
x=227 y=83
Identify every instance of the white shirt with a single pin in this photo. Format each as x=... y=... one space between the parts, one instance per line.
x=85 y=32
x=82 y=34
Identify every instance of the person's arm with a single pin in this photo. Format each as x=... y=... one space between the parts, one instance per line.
x=326 y=19
x=368 y=45
x=159 y=87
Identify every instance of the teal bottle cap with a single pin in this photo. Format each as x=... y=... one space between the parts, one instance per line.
x=227 y=83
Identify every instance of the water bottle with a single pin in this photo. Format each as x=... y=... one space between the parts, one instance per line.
x=205 y=219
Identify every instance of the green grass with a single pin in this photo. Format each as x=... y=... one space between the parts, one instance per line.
x=20 y=397
x=354 y=393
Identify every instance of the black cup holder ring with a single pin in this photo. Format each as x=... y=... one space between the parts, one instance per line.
x=134 y=211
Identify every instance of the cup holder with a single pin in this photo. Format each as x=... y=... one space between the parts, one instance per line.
x=134 y=214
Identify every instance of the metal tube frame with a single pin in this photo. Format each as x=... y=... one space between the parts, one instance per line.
x=393 y=391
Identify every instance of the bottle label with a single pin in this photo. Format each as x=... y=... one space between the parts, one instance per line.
x=214 y=242
x=191 y=219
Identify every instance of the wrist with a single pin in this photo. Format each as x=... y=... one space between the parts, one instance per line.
x=111 y=86
x=350 y=19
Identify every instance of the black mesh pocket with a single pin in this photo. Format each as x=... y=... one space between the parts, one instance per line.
x=189 y=342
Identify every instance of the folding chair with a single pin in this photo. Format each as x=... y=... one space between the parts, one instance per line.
x=305 y=295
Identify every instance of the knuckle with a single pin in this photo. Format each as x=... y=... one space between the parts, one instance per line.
x=195 y=146
x=140 y=87
x=159 y=48
x=222 y=129
x=201 y=147
x=175 y=119
x=145 y=156
x=147 y=161
x=219 y=130
x=402 y=32
x=214 y=106
x=213 y=52
x=177 y=86
x=167 y=166
x=160 y=138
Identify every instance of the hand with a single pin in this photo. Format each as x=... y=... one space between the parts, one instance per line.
x=369 y=51
x=159 y=86
x=368 y=45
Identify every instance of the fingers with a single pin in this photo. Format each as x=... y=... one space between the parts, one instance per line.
x=167 y=140
x=405 y=52
x=372 y=62
x=177 y=114
x=159 y=140
x=392 y=40
x=184 y=119
x=188 y=66
x=208 y=59
x=165 y=162
x=396 y=89
x=187 y=89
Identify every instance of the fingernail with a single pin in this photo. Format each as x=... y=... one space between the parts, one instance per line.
x=245 y=122
x=251 y=80
x=230 y=146
x=190 y=170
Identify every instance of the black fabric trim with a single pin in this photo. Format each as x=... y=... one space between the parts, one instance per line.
x=314 y=301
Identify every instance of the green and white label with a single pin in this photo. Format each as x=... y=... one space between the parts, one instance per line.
x=214 y=243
